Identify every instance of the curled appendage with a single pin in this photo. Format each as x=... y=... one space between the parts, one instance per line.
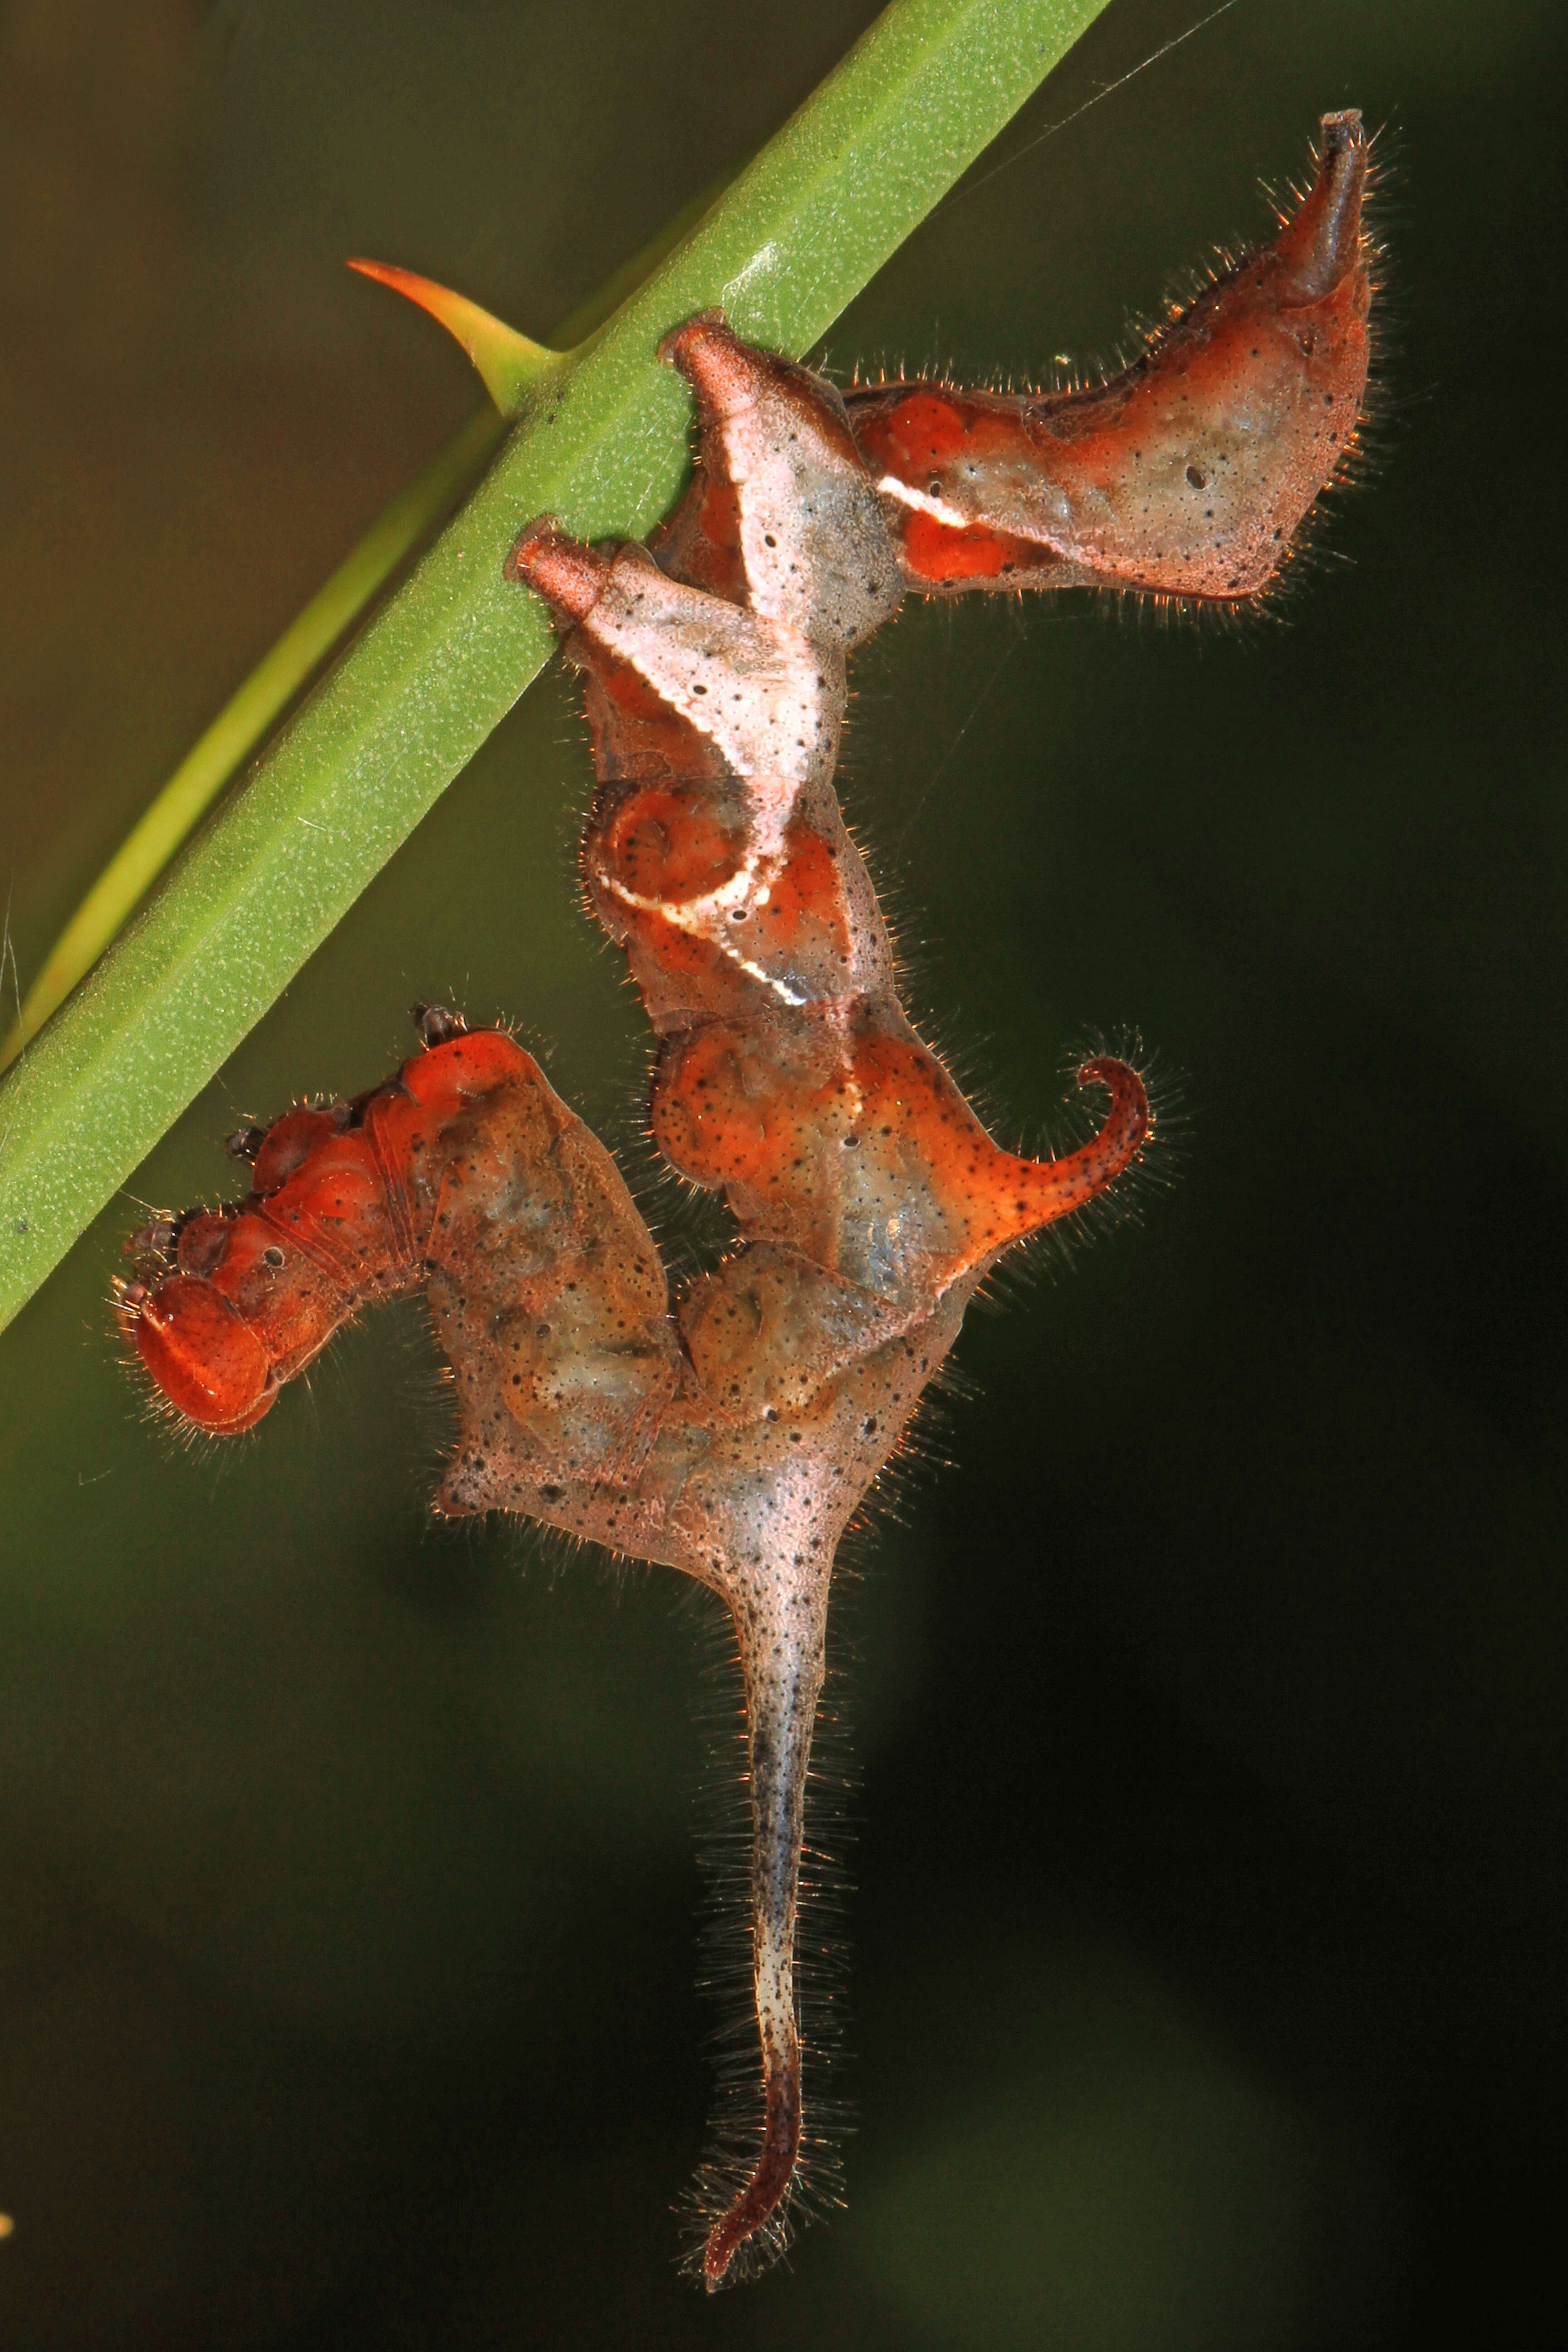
x=851 y=1143
x=1320 y=245
x=1186 y=476
x=1058 y=1188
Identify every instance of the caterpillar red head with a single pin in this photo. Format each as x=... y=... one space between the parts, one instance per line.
x=407 y=1187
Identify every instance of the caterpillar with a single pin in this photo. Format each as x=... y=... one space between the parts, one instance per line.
x=733 y=1430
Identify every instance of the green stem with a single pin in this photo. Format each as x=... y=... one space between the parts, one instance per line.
x=603 y=446
x=245 y=719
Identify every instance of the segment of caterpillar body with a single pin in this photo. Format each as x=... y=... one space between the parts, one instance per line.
x=1188 y=474
x=734 y=1434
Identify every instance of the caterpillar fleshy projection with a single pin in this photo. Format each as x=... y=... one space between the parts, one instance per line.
x=734 y=1432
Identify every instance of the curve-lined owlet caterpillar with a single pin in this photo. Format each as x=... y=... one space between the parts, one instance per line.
x=733 y=1430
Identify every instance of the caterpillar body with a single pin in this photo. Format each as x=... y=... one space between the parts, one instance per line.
x=732 y=1432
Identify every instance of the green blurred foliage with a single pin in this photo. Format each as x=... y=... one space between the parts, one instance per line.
x=1208 y=1712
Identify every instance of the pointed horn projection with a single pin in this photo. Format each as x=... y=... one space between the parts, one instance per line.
x=510 y=363
x=1186 y=476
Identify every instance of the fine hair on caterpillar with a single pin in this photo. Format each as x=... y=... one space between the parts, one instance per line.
x=731 y=1425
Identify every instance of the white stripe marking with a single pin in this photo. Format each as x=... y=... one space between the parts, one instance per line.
x=938 y=509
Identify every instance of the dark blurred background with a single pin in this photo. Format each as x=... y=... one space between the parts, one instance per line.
x=1208 y=1710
